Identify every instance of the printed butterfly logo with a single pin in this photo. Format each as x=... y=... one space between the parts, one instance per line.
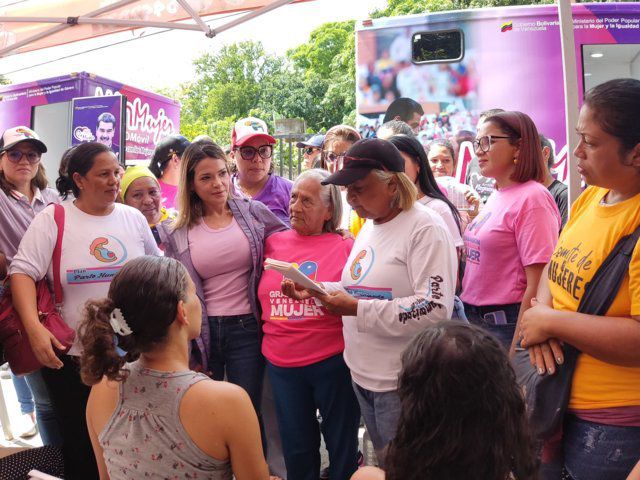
x=101 y=252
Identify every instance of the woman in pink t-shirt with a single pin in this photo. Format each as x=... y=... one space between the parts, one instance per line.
x=303 y=342
x=513 y=237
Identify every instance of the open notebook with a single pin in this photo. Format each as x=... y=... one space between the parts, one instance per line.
x=291 y=272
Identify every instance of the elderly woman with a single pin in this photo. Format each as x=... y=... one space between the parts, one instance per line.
x=303 y=341
x=400 y=277
x=140 y=189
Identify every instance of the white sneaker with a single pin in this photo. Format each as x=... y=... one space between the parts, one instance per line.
x=32 y=427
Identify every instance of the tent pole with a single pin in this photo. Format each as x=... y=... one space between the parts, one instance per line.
x=571 y=95
x=59 y=28
x=189 y=9
x=251 y=15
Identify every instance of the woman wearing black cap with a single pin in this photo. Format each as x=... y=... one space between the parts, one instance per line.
x=165 y=165
x=400 y=276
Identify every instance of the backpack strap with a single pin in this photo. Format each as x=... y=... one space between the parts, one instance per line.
x=58 y=216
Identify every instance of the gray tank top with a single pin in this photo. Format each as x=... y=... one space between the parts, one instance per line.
x=144 y=437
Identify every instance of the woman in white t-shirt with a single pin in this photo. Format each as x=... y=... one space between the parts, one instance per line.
x=400 y=277
x=99 y=237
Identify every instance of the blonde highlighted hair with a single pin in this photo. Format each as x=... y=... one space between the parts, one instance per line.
x=406 y=192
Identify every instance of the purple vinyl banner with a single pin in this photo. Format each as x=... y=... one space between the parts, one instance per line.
x=98 y=119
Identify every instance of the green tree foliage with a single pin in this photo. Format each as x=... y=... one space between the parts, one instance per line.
x=407 y=7
x=314 y=81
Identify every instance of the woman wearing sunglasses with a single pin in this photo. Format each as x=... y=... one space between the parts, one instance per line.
x=23 y=194
x=337 y=141
x=252 y=150
x=511 y=240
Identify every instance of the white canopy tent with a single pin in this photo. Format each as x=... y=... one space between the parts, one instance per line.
x=25 y=26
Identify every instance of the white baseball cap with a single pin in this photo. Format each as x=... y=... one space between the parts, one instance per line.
x=15 y=135
x=247 y=128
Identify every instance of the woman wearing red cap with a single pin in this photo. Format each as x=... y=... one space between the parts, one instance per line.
x=252 y=150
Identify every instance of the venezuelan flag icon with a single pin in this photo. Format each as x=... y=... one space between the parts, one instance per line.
x=506 y=27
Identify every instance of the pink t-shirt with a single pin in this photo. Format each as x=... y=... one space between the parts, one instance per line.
x=517 y=227
x=301 y=333
x=223 y=260
x=168 y=193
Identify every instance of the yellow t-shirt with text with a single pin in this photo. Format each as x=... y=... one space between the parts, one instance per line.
x=591 y=233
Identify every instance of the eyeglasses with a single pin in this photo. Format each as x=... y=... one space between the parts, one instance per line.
x=331 y=157
x=248 y=153
x=308 y=150
x=484 y=143
x=15 y=156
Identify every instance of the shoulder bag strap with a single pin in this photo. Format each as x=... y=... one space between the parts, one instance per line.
x=58 y=216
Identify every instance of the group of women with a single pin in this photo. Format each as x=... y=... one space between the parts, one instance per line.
x=209 y=306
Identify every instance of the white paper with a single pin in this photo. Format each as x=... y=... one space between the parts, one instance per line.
x=291 y=272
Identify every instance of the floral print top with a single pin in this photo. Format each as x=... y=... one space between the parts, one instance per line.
x=144 y=437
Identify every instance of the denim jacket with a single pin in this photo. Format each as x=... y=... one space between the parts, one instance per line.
x=257 y=222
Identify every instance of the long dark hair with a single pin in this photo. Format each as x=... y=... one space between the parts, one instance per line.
x=462 y=414
x=426 y=181
x=146 y=291
x=79 y=159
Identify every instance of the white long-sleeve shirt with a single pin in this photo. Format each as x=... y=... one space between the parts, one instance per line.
x=403 y=273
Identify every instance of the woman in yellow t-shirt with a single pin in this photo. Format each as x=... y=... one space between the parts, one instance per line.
x=601 y=433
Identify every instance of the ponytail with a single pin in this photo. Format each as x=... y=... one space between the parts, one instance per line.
x=100 y=356
x=135 y=318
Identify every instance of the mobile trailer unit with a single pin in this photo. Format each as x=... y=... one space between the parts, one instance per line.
x=46 y=106
x=459 y=63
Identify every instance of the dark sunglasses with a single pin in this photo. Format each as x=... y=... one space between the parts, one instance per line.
x=249 y=153
x=308 y=150
x=15 y=156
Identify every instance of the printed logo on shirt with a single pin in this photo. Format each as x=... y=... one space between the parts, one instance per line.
x=309 y=268
x=105 y=249
x=472 y=252
x=370 y=293
x=424 y=306
x=568 y=269
x=286 y=309
x=99 y=250
x=362 y=264
x=478 y=223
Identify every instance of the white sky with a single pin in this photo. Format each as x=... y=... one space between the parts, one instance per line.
x=165 y=60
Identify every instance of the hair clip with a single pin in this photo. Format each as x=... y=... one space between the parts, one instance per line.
x=119 y=324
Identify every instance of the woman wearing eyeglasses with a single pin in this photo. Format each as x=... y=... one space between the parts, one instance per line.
x=513 y=237
x=23 y=194
x=219 y=238
x=252 y=150
x=337 y=141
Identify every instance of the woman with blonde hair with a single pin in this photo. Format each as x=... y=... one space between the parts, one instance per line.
x=220 y=240
x=399 y=277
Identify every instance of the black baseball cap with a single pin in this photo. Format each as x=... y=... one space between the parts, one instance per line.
x=366 y=155
x=316 y=142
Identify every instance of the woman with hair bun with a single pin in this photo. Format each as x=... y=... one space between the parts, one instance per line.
x=604 y=404
x=147 y=413
x=99 y=237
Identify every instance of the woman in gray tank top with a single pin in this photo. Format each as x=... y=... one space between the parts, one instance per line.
x=149 y=416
